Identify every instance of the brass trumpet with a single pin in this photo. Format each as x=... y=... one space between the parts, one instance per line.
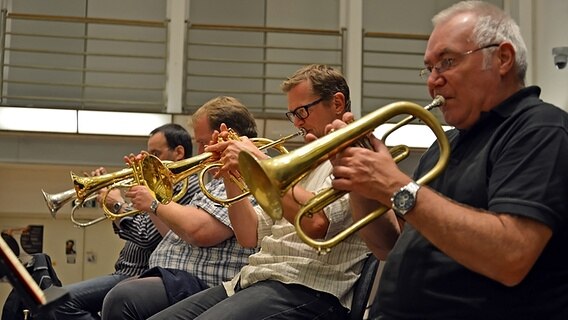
x=262 y=144
x=159 y=176
x=270 y=179
x=56 y=201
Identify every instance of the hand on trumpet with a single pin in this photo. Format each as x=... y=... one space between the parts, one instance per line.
x=369 y=173
x=140 y=195
x=112 y=196
x=226 y=150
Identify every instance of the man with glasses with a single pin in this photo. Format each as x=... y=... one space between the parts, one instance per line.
x=487 y=238
x=287 y=279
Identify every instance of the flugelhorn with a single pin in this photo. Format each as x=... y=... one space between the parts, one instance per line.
x=270 y=179
x=262 y=144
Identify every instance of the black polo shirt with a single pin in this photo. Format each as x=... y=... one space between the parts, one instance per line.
x=514 y=160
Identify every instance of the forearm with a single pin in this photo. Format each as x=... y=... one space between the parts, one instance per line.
x=502 y=247
x=382 y=232
x=193 y=225
x=315 y=226
x=243 y=217
x=162 y=228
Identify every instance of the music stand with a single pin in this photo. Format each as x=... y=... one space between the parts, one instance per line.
x=28 y=290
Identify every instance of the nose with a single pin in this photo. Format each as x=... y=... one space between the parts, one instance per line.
x=435 y=79
x=298 y=122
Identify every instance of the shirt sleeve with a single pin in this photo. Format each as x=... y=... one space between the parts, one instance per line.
x=139 y=229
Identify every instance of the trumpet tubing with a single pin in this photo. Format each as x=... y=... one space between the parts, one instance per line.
x=268 y=180
x=262 y=144
x=86 y=186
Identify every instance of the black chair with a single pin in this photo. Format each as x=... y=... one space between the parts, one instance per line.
x=363 y=288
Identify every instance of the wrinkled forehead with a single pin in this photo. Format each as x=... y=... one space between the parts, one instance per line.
x=452 y=35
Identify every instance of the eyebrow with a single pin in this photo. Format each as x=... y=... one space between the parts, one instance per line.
x=441 y=54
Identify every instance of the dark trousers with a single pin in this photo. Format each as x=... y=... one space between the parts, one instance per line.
x=86 y=298
x=263 y=300
x=157 y=289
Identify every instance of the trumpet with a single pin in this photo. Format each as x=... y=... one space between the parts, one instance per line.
x=159 y=176
x=270 y=179
x=56 y=201
x=262 y=144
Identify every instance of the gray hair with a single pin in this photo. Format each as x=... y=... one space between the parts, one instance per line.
x=493 y=25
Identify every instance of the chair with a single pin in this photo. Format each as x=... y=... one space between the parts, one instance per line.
x=363 y=288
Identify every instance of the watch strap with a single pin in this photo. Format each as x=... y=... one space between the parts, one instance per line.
x=154 y=207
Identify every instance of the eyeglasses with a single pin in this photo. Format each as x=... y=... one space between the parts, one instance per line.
x=301 y=112
x=449 y=62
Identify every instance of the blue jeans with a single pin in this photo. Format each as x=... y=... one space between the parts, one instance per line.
x=263 y=300
x=86 y=298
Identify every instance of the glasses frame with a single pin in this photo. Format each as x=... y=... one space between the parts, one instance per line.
x=294 y=113
x=448 y=63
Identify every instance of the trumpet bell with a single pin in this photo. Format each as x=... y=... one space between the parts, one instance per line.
x=267 y=183
x=156 y=176
x=56 y=201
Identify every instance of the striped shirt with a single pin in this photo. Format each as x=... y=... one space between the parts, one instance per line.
x=211 y=264
x=286 y=258
x=142 y=237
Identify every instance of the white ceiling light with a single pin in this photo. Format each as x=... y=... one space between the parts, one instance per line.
x=120 y=123
x=38 y=119
x=80 y=121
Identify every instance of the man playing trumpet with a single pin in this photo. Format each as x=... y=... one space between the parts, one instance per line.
x=200 y=250
x=487 y=238
x=168 y=142
x=287 y=279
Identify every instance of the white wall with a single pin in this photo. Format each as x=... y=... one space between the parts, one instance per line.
x=550 y=30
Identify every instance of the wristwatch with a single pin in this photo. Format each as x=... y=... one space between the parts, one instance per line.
x=154 y=206
x=116 y=207
x=404 y=199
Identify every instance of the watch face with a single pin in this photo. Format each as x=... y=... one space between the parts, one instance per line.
x=154 y=206
x=403 y=200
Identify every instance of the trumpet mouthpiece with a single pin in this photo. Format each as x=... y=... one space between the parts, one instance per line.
x=439 y=101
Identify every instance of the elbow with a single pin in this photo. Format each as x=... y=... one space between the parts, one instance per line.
x=316 y=227
x=511 y=280
x=198 y=239
x=512 y=277
x=247 y=243
x=513 y=271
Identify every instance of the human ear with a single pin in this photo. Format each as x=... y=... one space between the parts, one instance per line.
x=506 y=55
x=339 y=103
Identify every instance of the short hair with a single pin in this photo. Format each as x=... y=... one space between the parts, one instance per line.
x=176 y=135
x=493 y=25
x=230 y=111
x=325 y=81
